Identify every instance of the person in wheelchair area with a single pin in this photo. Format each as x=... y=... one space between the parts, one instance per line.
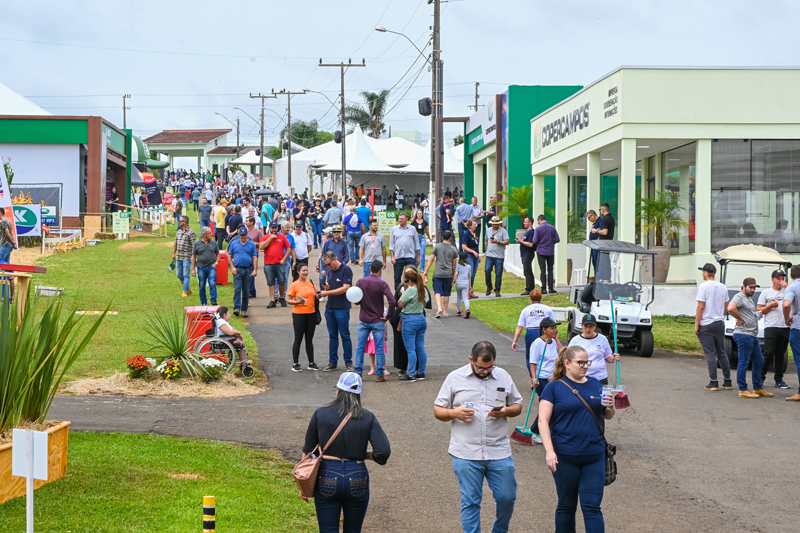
x=225 y=331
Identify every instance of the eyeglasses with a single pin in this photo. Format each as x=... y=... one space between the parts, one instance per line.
x=581 y=363
x=483 y=369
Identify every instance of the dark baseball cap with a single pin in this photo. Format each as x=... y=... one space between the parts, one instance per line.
x=299 y=223
x=708 y=267
x=547 y=322
x=243 y=231
x=778 y=273
x=589 y=319
x=749 y=281
x=273 y=225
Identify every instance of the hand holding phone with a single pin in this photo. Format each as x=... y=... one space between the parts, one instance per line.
x=496 y=408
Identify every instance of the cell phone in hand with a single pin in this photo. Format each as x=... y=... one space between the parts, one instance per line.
x=497 y=408
x=301 y=298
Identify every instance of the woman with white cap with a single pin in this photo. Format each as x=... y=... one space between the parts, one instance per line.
x=343 y=481
x=544 y=351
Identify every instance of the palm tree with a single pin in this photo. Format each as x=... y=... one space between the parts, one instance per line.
x=661 y=214
x=369 y=116
x=518 y=202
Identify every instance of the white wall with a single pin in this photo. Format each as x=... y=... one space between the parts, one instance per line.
x=48 y=163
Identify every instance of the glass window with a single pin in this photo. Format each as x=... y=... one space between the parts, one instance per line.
x=678 y=168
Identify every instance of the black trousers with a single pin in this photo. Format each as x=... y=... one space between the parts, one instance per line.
x=776 y=341
x=304 y=326
x=220 y=237
x=546 y=271
x=296 y=269
x=527 y=267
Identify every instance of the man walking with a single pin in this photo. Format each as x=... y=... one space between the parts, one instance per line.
x=477 y=216
x=477 y=399
x=496 y=242
x=244 y=260
x=545 y=240
x=372 y=317
x=255 y=235
x=276 y=252
x=182 y=253
x=302 y=247
x=606 y=233
x=404 y=247
x=205 y=257
x=776 y=332
x=333 y=215
x=446 y=257
x=594 y=234
x=446 y=214
x=204 y=214
x=526 y=252
x=463 y=213
x=745 y=335
x=791 y=306
x=372 y=247
x=233 y=222
x=286 y=231
x=709 y=325
x=337 y=311
x=354 y=229
x=338 y=246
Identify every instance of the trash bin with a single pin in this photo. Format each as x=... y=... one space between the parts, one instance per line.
x=199 y=321
x=222 y=269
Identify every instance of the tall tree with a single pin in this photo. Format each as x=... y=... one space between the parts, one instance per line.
x=306 y=133
x=369 y=116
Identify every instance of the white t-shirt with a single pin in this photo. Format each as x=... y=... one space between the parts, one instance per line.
x=531 y=316
x=301 y=244
x=598 y=349
x=715 y=295
x=221 y=322
x=773 y=319
x=550 y=356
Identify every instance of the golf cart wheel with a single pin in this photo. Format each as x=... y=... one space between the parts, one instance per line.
x=644 y=348
x=732 y=351
x=571 y=335
x=248 y=371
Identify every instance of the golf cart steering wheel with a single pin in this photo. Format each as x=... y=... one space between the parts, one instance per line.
x=636 y=285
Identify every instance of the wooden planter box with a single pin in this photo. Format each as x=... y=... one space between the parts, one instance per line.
x=12 y=487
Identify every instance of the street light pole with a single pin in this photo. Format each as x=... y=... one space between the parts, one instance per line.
x=261 y=157
x=288 y=127
x=232 y=124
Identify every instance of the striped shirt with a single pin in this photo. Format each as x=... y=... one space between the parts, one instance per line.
x=184 y=243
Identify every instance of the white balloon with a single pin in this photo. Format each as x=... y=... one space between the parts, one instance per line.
x=354 y=294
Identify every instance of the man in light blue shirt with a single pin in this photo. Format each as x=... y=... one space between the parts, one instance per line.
x=464 y=213
x=791 y=307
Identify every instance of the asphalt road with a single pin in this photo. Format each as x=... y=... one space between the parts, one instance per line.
x=689 y=460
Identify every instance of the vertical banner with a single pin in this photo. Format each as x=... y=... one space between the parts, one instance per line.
x=5 y=200
x=504 y=137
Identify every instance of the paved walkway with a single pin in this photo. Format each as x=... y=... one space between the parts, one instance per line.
x=689 y=460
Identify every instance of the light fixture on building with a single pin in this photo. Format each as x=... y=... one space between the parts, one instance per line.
x=610 y=159
x=642 y=147
x=673 y=159
x=580 y=169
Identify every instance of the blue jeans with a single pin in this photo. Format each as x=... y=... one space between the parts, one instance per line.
x=184 y=269
x=316 y=228
x=400 y=265
x=423 y=244
x=495 y=263
x=531 y=334
x=207 y=274
x=414 y=327
x=241 y=286
x=338 y=321
x=473 y=262
x=364 y=330
x=749 y=350
x=794 y=342
x=252 y=289
x=500 y=476
x=353 y=238
x=287 y=275
x=275 y=273
x=580 y=476
x=342 y=486
x=205 y=223
x=366 y=267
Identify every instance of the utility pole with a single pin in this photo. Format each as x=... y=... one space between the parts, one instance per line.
x=477 y=83
x=436 y=100
x=261 y=157
x=237 y=132
x=125 y=111
x=342 y=66
x=289 y=126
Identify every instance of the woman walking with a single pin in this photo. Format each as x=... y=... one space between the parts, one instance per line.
x=597 y=347
x=421 y=225
x=545 y=349
x=529 y=320
x=461 y=278
x=302 y=294
x=574 y=445
x=414 y=325
x=283 y=215
x=315 y=215
x=343 y=482
x=469 y=244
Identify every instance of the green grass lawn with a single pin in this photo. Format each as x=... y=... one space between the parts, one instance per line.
x=137 y=283
x=118 y=482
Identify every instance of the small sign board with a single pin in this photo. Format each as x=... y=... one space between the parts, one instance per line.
x=28 y=220
x=386 y=221
x=19 y=453
x=122 y=222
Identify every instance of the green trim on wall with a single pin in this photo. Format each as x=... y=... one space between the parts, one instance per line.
x=44 y=131
x=128 y=164
x=469 y=171
x=114 y=139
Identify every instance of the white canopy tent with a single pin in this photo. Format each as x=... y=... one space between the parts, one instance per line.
x=13 y=103
x=396 y=152
x=250 y=158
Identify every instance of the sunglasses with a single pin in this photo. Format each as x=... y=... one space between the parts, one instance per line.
x=581 y=363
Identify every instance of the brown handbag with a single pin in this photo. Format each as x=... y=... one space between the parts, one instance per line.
x=305 y=472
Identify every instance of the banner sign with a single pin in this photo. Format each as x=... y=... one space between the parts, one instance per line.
x=481 y=127
x=150 y=190
x=386 y=221
x=122 y=222
x=46 y=194
x=5 y=198
x=28 y=220
x=49 y=217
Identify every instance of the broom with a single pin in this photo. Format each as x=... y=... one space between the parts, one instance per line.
x=523 y=434
x=621 y=400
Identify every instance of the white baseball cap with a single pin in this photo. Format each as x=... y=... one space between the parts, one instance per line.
x=349 y=382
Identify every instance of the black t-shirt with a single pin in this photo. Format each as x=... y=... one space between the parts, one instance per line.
x=608 y=223
x=354 y=439
x=420 y=226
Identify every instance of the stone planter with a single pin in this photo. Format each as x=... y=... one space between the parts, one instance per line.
x=57 y=440
x=662 y=260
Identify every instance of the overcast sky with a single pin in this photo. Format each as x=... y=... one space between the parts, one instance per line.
x=183 y=60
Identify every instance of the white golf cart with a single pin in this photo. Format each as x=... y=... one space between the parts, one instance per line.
x=743 y=261
x=631 y=300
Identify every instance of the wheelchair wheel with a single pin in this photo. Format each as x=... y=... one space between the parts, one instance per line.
x=218 y=349
x=248 y=371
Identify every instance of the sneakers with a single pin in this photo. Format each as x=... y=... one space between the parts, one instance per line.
x=185 y=294
x=497 y=293
x=348 y=368
x=329 y=368
x=244 y=314
x=795 y=398
x=313 y=366
x=380 y=379
x=283 y=302
x=408 y=379
x=747 y=394
x=712 y=385
x=458 y=313
x=526 y=293
x=189 y=292
x=536 y=438
x=297 y=368
x=401 y=373
x=781 y=385
x=762 y=392
x=272 y=305
x=419 y=377
x=213 y=302
x=727 y=385
x=236 y=311
x=466 y=315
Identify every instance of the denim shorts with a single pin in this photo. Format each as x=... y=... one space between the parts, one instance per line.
x=442 y=286
x=276 y=272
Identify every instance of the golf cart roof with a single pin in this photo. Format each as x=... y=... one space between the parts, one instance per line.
x=620 y=247
x=750 y=253
x=265 y=192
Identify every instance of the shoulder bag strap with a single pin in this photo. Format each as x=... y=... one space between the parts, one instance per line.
x=336 y=433
x=576 y=393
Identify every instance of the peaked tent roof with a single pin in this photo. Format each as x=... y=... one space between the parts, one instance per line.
x=458 y=151
x=13 y=103
x=423 y=162
x=186 y=136
x=396 y=151
x=360 y=156
x=250 y=158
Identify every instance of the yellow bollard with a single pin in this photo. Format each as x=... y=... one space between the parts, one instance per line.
x=209 y=514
